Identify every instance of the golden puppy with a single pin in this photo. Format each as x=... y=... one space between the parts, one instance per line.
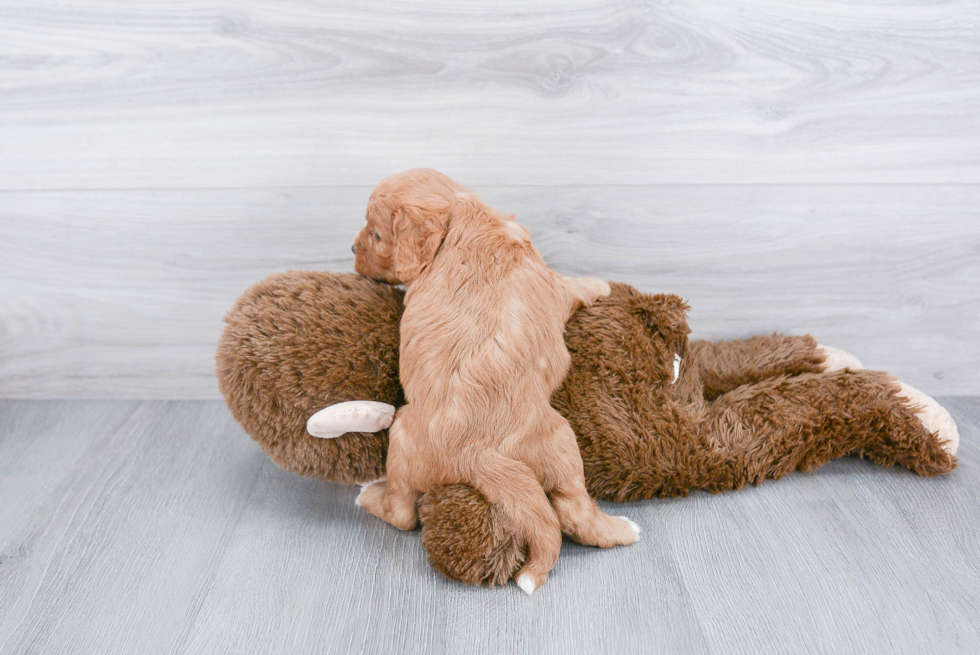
x=482 y=350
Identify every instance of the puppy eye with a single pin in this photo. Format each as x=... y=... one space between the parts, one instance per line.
x=377 y=237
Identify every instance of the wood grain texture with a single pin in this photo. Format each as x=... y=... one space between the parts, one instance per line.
x=157 y=159
x=123 y=94
x=161 y=528
x=114 y=557
x=121 y=293
x=35 y=455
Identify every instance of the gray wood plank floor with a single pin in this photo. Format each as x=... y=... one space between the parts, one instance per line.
x=160 y=527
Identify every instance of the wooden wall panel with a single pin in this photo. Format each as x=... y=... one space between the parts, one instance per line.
x=802 y=166
x=123 y=94
x=121 y=293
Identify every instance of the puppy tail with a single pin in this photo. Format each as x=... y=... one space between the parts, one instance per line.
x=513 y=487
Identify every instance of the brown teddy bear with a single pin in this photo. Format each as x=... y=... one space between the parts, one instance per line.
x=654 y=414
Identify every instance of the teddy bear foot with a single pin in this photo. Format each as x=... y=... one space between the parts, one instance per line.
x=836 y=359
x=933 y=416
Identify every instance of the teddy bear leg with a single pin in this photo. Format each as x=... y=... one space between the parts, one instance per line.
x=726 y=365
x=933 y=416
x=768 y=429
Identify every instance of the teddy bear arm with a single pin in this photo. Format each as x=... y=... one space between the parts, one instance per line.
x=352 y=416
x=726 y=365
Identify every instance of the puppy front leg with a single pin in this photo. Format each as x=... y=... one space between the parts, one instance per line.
x=583 y=291
x=393 y=503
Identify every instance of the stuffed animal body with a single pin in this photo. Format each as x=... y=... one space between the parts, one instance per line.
x=654 y=413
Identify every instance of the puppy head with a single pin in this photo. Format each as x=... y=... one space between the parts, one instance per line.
x=407 y=219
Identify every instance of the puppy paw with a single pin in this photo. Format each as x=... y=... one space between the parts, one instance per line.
x=370 y=493
x=400 y=510
x=586 y=290
x=602 y=288
x=592 y=289
x=933 y=416
x=620 y=532
x=836 y=359
x=633 y=526
x=609 y=532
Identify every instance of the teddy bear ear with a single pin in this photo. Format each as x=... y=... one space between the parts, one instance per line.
x=353 y=416
x=418 y=233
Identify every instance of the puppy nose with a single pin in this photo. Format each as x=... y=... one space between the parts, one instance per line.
x=353 y=249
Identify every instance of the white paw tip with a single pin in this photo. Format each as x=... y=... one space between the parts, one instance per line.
x=605 y=289
x=933 y=416
x=637 y=529
x=836 y=359
x=526 y=583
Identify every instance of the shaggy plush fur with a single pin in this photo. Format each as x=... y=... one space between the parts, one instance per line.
x=739 y=413
x=467 y=538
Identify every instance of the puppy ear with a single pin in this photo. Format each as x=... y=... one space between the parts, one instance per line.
x=418 y=234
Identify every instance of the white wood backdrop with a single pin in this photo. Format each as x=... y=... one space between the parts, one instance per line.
x=806 y=166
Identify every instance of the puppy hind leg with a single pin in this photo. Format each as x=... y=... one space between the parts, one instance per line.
x=513 y=487
x=582 y=520
x=579 y=516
